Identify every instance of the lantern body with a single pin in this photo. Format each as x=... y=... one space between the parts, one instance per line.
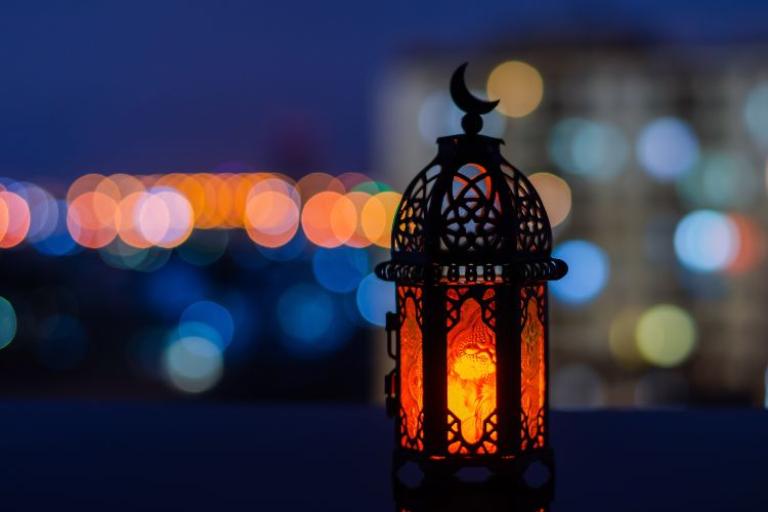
x=470 y=259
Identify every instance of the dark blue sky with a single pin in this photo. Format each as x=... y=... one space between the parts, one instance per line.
x=165 y=85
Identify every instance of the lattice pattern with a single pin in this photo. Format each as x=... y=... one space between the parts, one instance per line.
x=534 y=234
x=410 y=367
x=533 y=365
x=410 y=219
x=471 y=369
x=456 y=295
x=471 y=212
x=485 y=445
x=484 y=211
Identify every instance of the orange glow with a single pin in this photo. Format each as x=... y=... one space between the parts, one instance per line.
x=83 y=184
x=358 y=238
x=411 y=371
x=471 y=375
x=377 y=217
x=271 y=213
x=329 y=219
x=752 y=245
x=14 y=219
x=91 y=219
x=127 y=228
x=4 y=216
x=532 y=387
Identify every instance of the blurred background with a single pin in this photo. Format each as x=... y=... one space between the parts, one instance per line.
x=194 y=195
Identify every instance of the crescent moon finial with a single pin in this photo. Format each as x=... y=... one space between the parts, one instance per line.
x=464 y=99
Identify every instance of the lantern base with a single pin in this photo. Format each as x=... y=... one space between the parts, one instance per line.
x=532 y=472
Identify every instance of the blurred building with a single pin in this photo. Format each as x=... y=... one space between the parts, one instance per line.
x=651 y=161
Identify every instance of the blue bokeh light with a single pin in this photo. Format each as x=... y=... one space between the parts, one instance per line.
x=667 y=148
x=204 y=313
x=588 y=273
x=375 y=298
x=58 y=241
x=340 y=270
x=756 y=113
x=706 y=241
x=7 y=322
x=308 y=316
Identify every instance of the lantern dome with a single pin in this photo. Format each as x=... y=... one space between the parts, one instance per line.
x=470 y=215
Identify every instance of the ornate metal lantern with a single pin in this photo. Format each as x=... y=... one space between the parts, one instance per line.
x=471 y=247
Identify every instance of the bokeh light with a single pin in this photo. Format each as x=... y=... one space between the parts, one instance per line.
x=211 y=314
x=666 y=335
x=596 y=150
x=329 y=219
x=58 y=242
x=306 y=314
x=518 y=86
x=751 y=245
x=14 y=219
x=272 y=212
x=667 y=148
x=588 y=272
x=555 y=194
x=164 y=217
x=340 y=270
x=756 y=113
x=621 y=338
x=91 y=219
x=706 y=241
x=377 y=217
x=375 y=298
x=193 y=364
x=43 y=210
x=720 y=180
x=7 y=322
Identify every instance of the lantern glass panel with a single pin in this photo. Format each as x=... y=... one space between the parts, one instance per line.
x=471 y=369
x=411 y=367
x=533 y=390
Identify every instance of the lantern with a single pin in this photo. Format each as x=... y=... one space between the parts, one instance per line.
x=470 y=259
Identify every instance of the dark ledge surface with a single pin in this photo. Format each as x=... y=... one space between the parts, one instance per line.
x=199 y=456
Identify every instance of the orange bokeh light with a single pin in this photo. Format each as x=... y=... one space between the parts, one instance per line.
x=358 y=238
x=91 y=219
x=329 y=219
x=14 y=219
x=271 y=213
x=377 y=217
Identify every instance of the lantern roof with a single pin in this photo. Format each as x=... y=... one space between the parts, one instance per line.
x=470 y=215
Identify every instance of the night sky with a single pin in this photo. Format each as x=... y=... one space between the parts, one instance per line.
x=151 y=86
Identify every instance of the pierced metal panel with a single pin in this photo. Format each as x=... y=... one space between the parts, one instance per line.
x=533 y=391
x=471 y=370
x=409 y=307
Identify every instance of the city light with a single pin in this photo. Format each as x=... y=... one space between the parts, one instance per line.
x=588 y=273
x=706 y=241
x=518 y=86
x=666 y=335
x=667 y=148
